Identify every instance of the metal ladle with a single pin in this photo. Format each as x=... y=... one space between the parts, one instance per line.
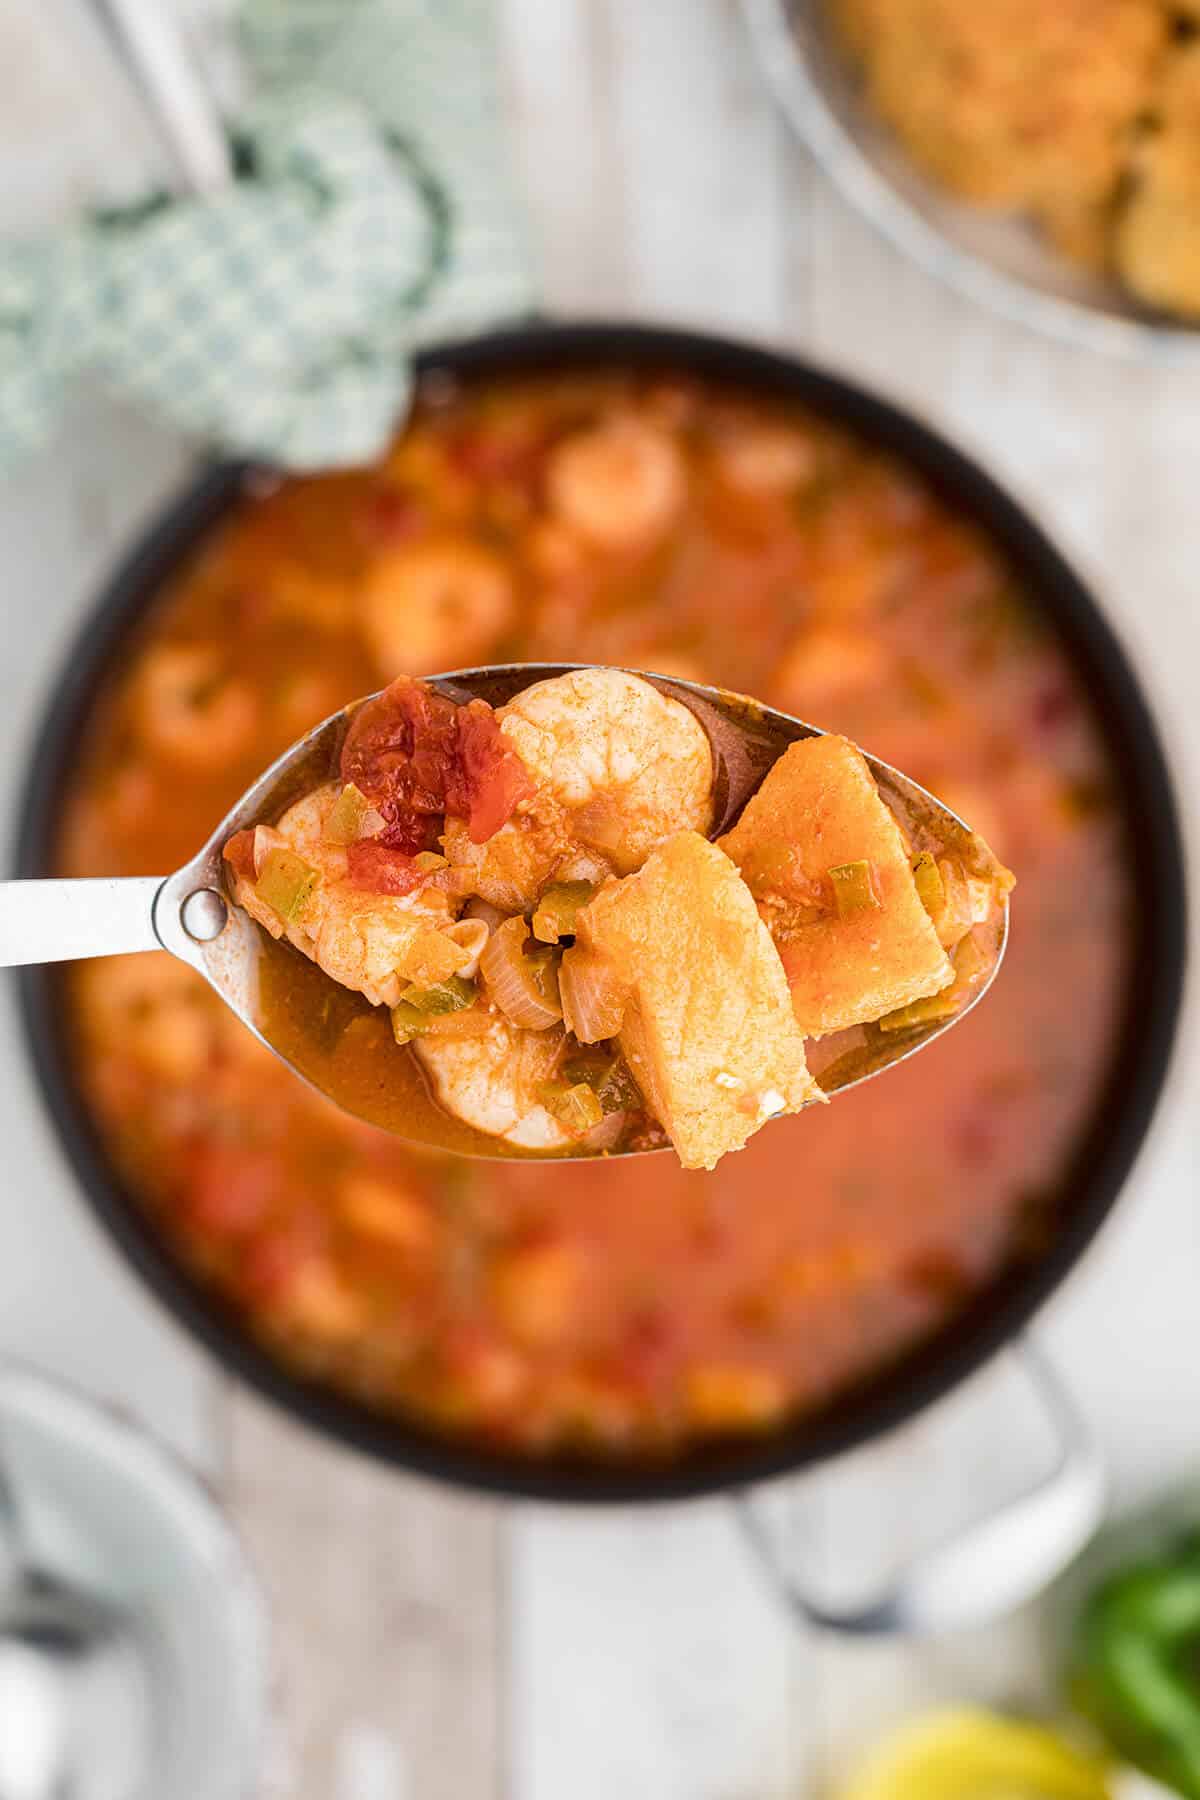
x=189 y=913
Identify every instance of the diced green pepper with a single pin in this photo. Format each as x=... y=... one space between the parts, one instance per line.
x=454 y=994
x=429 y=860
x=607 y=1076
x=408 y=1023
x=853 y=888
x=285 y=883
x=344 y=824
x=416 y=1010
x=930 y=886
x=543 y=966
x=558 y=909
x=576 y=1107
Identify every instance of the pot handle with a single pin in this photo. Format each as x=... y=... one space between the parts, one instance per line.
x=991 y=1565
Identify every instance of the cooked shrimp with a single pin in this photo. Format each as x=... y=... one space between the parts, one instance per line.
x=371 y=942
x=491 y=1081
x=826 y=666
x=630 y=765
x=619 y=485
x=764 y=459
x=439 y=604
x=188 y=706
x=159 y=1011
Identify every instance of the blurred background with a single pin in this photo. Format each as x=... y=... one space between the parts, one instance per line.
x=439 y=1646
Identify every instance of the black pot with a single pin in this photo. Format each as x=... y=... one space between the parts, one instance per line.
x=1122 y=1115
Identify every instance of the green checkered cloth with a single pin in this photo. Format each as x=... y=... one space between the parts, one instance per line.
x=278 y=320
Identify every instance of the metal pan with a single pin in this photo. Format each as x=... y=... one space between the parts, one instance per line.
x=1122 y=1114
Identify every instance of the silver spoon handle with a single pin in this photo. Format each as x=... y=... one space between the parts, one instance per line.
x=57 y=921
x=151 y=40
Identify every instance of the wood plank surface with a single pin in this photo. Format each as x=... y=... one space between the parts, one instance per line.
x=432 y=1647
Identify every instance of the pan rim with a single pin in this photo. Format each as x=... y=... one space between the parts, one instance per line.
x=893 y=1394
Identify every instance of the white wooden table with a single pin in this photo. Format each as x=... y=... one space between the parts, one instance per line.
x=437 y=1648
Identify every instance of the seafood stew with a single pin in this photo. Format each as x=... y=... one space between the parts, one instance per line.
x=622 y=1311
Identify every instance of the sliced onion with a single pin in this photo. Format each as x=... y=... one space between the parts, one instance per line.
x=512 y=979
x=266 y=839
x=602 y=825
x=594 y=997
x=471 y=935
x=491 y=915
x=607 y=1134
x=473 y=1021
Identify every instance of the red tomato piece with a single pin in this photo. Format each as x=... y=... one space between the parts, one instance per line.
x=278 y=1256
x=417 y=756
x=239 y=854
x=230 y=1189
x=381 y=870
x=489 y=777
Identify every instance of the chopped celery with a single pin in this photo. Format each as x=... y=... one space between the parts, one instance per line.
x=576 y=1107
x=853 y=888
x=344 y=824
x=543 y=965
x=285 y=883
x=429 y=860
x=558 y=909
x=417 y=1009
x=408 y=1023
x=930 y=886
x=447 y=996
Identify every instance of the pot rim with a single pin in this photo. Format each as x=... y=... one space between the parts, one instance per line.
x=893 y=1394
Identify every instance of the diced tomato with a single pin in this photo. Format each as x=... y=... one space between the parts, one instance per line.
x=382 y=870
x=487 y=1376
x=230 y=1189
x=394 y=516
x=417 y=756
x=239 y=854
x=484 y=456
x=489 y=777
x=276 y=1258
x=651 y=1347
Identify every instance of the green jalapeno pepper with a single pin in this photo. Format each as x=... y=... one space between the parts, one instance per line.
x=1136 y=1668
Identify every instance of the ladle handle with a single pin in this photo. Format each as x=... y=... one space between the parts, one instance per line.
x=57 y=921
x=152 y=42
x=991 y=1565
